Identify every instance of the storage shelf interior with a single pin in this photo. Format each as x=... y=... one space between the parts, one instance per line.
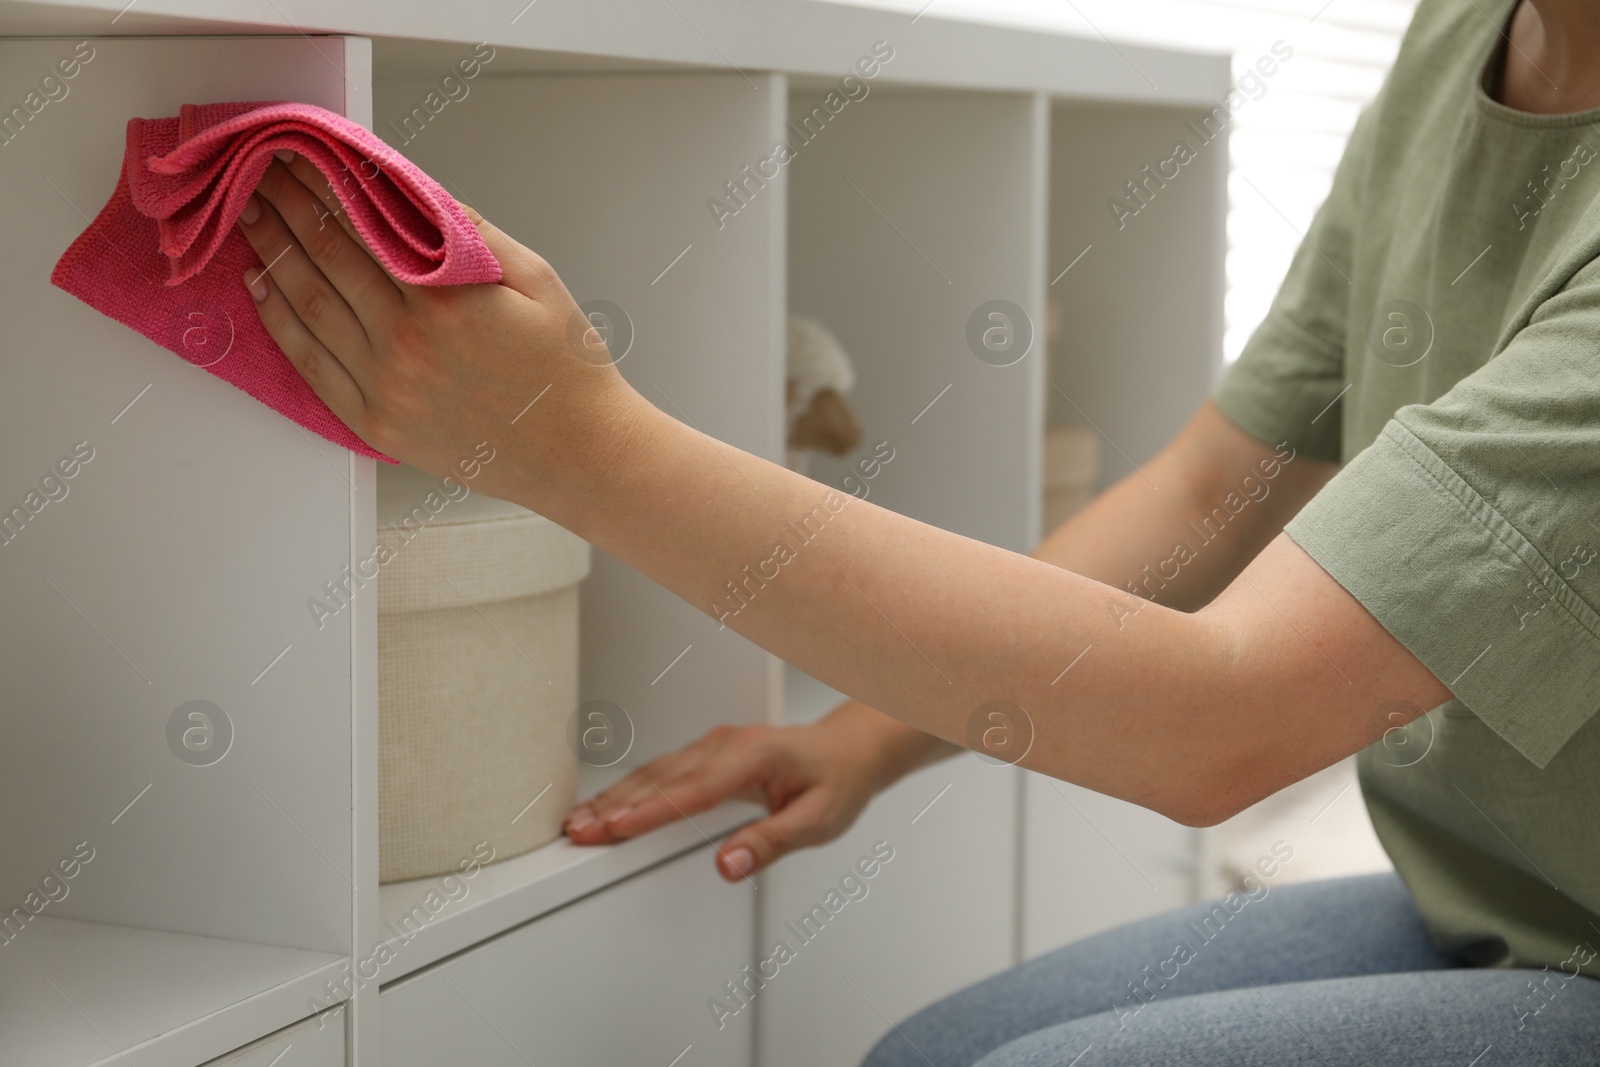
x=74 y=993
x=1136 y=274
x=235 y=823
x=910 y=214
x=702 y=308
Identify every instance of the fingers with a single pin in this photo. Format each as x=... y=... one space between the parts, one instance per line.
x=325 y=374
x=682 y=799
x=333 y=209
x=521 y=268
x=590 y=823
x=754 y=762
x=805 y=821
x=330 y=243
x=306 y=292
x=674 y=787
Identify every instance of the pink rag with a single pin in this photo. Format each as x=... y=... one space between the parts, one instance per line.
x=165 y=257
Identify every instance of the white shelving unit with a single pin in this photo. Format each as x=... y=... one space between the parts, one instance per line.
x=231 y=911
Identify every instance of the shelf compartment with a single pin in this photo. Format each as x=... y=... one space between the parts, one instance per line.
x=1137 y=286
x=198 y=500
x=631 y=226
x=910 y=213
x=87 y=994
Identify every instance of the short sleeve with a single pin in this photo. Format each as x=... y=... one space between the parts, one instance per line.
x=1284 y=384
x=1470 y=528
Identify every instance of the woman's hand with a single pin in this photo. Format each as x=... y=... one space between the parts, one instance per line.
x=814 y=781
x=426 y=373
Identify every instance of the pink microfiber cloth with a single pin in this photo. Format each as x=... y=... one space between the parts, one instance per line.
x=165 y=256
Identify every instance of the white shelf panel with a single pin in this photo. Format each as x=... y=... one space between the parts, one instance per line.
x=76 y=994
x=619 y=979
x=794 y=36
x=511 y=892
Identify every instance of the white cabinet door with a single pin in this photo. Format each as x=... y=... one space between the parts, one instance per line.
x=620 y=977
x=317 y=1042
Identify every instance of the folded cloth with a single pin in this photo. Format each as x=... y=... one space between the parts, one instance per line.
x=165 y=257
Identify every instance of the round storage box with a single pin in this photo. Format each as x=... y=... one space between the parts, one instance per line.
x=477 y=674
x=1071 y=465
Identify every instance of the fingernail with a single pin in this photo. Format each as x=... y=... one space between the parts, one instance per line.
x=251 y=211
x=619 y=815
x=256 y=282
x=740 y=861
x=580 y=820
x=284 y=154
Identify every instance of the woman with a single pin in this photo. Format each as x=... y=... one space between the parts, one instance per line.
x=1438 y=334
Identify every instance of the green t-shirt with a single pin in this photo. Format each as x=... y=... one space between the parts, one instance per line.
x=1439 y=333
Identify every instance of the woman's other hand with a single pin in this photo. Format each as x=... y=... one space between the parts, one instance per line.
x=813 y=780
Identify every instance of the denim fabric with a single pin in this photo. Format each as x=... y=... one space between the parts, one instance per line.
x=1332 y=973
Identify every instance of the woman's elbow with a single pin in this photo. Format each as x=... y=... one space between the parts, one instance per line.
x=1205 y=802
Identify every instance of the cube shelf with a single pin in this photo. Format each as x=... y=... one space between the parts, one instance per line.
x=230 y=912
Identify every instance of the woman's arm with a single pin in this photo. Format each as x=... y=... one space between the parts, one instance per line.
x=1194 y=715
x=816 y=779
x=1117 y=534
x=1182 y=495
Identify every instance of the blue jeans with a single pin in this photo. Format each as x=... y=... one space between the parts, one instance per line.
x=1330 y=974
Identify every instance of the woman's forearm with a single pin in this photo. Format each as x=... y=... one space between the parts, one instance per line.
x=1181 y=528
x=1127 y=533
x=897 y=748
x=930 y=627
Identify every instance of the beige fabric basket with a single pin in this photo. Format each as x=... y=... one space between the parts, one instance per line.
x=477 y=675
x=1071 y=466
